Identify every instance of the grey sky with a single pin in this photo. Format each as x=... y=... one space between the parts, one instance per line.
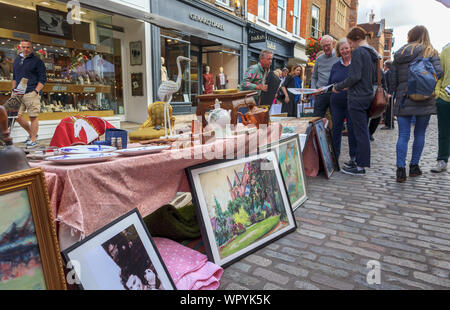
x=402 y=15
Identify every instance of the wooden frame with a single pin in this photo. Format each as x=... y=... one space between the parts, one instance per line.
x=53 y=23
x=237 y=220
x=136 y=53
x=137 y=84
x=292 y=176
x=325 y=148
x=25 y=207
x=110 y=258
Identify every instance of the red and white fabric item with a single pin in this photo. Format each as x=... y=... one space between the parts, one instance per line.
x=79 y=130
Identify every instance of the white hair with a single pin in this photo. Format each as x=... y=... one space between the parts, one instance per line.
x=327 y=38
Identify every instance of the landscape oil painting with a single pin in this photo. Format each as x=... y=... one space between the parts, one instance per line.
x=243 y=205
x=20 y=261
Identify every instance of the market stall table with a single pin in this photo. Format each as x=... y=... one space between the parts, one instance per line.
x=86 y=197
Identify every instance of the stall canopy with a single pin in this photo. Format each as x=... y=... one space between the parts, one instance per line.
x=151 y=18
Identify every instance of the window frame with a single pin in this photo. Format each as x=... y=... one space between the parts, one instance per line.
x=266 y=10
x=283 y=17
x=297 y=18
x=315 y=29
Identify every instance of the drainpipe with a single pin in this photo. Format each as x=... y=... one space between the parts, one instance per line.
x=327 y=17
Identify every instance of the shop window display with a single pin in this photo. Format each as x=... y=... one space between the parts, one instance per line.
x=81 y=73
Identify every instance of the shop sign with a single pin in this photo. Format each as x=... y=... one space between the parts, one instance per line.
x=256 y=36
x=89 y=89
x=206 y=21
x=59 y=42
x=21 y=35
x=89 y=46
x=59 y=88
x=271 y=45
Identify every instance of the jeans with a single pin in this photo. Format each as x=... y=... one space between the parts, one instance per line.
x=443 y=115
x=339 y=112
x=404 y=132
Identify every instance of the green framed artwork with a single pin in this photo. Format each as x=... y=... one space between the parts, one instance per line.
x=289 y=155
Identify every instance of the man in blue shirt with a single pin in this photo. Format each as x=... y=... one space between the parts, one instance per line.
x=28 y=65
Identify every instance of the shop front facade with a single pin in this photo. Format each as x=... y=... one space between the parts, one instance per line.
x=260 y=39
x=96 y=60
x=218 y=59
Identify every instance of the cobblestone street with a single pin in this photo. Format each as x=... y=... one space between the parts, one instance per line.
x=348 y=221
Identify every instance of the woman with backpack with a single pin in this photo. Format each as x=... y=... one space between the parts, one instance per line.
x=293 y=80
x=408 y=103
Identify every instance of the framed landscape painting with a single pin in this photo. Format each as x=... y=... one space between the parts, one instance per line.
x=291 y=163
x=242 y=205
x=120 y=256
x=29 y=250
x=325 y=148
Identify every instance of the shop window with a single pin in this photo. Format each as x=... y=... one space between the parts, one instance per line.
x=83 y=61
x=315 y=32
x=223 y=64
x=296 y=17
x=281 y=14
x=174 y=44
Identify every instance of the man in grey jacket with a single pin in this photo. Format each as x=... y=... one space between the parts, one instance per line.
x=321 y=74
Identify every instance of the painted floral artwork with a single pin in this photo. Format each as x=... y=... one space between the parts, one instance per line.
x=290 y=163
x=244 y=204
x=20 y=262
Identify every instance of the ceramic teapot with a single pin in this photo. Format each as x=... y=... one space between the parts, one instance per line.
x=11 y=158
x=219 y=119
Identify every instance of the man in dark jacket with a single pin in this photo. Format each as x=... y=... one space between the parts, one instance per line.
x=29 y=66
x=389 y=115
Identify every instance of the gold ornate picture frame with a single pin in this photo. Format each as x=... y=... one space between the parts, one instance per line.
x=29 y=251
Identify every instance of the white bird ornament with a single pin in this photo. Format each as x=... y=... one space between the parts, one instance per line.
x=165 y=92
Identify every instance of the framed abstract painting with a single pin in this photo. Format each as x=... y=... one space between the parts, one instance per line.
x=242 y=205
x=290 y=159
x=29 y=249
x=120 y=256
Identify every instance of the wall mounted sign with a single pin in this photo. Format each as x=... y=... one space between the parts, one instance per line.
x=271 y=45
x=136 y=53
x=206 y=21
x=256 y=36
x=137 y=87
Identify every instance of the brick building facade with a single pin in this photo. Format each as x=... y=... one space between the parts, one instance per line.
x=382 y=39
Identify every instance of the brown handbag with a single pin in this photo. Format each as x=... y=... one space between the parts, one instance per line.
x=379 y=102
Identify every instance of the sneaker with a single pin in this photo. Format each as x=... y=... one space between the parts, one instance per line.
x=401 y=174
x=350 y=164
x=354 y=171
x=441 y=166
x=414 y=171
x=31 y=144
x=372 y=138
x=29 y=139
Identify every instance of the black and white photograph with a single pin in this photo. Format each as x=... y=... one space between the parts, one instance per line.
x=120 y=257
x=53 y=23
x=136 y=53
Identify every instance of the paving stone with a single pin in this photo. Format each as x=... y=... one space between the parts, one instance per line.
x=405 y=263
x=272 y=287
x=319 y=229
x=342 y=240
x=440 y=263
x=278 y=255
x=408 y=255
x=440 y=272
x=241 y=278
x=432 y=279
x=323 y=268
x=310 y=233
x=384 y=285
x=295 y=271
x=337 y=263
x=258 y=260
x=300 y=254
x=291 y=242
x=307 y=240
x=352 y=236
x=303 y=285
x=271 y=276
x=412 y=284
x=331 y=282
x=395 y=245
x=241 y=266
x=334 y=253
x=354 y=250
x=236 y=287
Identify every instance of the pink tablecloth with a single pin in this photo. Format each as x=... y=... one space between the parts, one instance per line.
x=87 y=197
